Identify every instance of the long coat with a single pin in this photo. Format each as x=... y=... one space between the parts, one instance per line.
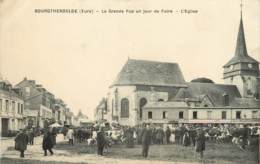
x=101 y=141
x=47 y=142
x=186 y=139
x=21 y=141
x=146 y=136
x=168 y=132
x=200 y=143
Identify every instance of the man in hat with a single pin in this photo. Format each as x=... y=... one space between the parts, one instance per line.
x=146 y=140
x=47 y=143
x=100 y=140
x=200 y=142
x=21 y=141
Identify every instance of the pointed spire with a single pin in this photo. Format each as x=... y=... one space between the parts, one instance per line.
x=241 y=54
x=241 y=49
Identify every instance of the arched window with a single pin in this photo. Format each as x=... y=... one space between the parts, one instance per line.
x=142 y=103
x=124 y=108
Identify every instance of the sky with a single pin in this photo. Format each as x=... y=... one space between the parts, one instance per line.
x=77 y=56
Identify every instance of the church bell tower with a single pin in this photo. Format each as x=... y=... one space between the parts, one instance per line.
x=242 y=70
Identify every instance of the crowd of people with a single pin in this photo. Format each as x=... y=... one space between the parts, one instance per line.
x=103 y=136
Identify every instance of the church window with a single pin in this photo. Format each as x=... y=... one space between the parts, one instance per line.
x=142 y=103
x=181 y=115
x=150 y=115
x=124 y=108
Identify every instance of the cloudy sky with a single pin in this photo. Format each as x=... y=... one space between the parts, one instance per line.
x=77 y=56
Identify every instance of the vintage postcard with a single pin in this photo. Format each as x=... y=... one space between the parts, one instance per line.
x=130 y=81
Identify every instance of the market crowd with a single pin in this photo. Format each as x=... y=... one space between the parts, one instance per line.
x=104 y=136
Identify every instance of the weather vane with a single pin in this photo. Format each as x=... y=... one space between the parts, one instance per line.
x=241 y=7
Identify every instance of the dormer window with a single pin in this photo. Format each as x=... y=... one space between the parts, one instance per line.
x=226 y=99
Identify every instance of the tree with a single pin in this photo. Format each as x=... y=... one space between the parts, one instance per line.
x=202 y=80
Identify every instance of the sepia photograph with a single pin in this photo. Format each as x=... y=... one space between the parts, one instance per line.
x=130 y=81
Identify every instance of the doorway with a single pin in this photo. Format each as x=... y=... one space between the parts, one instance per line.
x=4 y=127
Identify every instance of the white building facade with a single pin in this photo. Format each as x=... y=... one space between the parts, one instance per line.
x=11 y=109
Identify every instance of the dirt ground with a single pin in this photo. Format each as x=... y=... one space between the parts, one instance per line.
x=117 y=154
x=215 y=153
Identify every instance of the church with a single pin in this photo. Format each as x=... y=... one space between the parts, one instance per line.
x=156 y=92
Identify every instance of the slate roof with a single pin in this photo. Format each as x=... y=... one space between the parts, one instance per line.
x=241 y=55
x=166 y=104
x=245 y=103
x=143 y=72
x=215 y=92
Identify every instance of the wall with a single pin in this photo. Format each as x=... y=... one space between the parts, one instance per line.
x=134 y=95
x=245 y=78
x=172 y=114
x=217 y=113
x=122 y=92
x=15 y=110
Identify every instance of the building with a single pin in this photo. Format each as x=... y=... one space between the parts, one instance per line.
x=70 y=119
x=139 y=83
x=242 y=70
x=82 y=120
x=205 y=103
x=11 y=109
x=156 y=92
x=59 y=111
x=39 y=102
x=101 y=111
